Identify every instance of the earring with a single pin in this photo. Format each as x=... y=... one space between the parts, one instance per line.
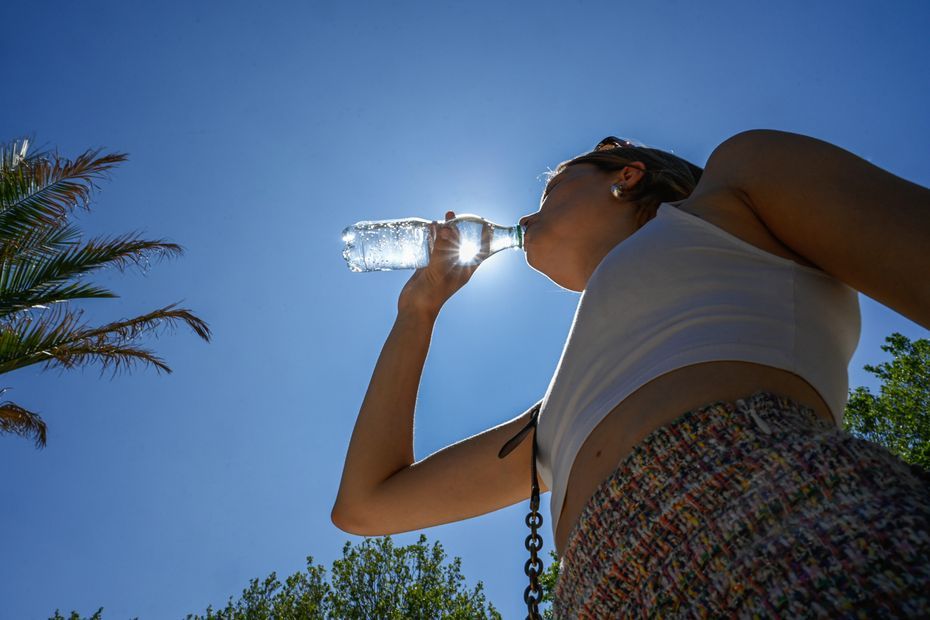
x=617 y=189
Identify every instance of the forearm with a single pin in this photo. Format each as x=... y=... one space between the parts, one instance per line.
x=382 y=441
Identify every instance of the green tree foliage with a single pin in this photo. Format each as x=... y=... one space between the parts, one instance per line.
x=42 y=262
x=302 y=595
x=899 y=418
x=547 y=580
x=373 y=580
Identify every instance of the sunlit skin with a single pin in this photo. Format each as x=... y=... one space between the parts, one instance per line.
x=579 y=221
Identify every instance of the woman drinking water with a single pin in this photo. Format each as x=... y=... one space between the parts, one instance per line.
x=691 y=434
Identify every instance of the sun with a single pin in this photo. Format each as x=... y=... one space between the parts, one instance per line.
x=468 y=251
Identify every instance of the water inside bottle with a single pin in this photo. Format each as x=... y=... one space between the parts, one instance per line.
x=470 y=240
x=380 y=246
x=386 y=245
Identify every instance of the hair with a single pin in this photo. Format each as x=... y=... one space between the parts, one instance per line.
x=668 y=178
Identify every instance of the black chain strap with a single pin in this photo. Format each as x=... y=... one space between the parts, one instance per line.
x=533 y=568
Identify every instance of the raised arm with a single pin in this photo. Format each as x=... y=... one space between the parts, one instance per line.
x=383 y=490
x=382 y=441
x=855 y=221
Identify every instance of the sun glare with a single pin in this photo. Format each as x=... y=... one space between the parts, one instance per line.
x=468 y=251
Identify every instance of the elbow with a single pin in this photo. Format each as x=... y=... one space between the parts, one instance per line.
x=340 y=519
x=360 y=523
x=346 y=521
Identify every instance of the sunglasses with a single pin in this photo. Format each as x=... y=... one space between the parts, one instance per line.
x=612 y=142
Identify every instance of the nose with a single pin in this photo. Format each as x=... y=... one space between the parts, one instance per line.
x=526 y=220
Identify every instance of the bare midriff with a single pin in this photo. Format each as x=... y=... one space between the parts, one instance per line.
x=659 y=402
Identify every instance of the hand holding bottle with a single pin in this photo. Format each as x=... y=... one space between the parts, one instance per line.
x=430 y=287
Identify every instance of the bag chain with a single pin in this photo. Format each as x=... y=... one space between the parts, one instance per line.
x=533 y=568
x=534 y=542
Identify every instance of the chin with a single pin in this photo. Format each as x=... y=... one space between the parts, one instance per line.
x=536 y=268
x=529 y=260
x=559 y=281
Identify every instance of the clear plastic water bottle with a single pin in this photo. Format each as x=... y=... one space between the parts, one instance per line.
x=407 y=243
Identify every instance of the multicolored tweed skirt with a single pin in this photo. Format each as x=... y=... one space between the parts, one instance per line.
x=752 y=509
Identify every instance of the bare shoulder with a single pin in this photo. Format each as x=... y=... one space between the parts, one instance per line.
x=844 y=215
x=717 y=200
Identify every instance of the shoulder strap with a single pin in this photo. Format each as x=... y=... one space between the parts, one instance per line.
x=517 y=439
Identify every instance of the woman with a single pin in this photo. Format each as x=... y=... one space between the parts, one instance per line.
x=691 y=435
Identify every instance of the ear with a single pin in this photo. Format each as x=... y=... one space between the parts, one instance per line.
x=630 y=174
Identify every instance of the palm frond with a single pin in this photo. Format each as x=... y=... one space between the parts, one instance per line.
x=57 y=340
x=42 y=299
x=28 y=283
x=19 y=421
x=23 y=343
x=12 y=154
x=131 y=329
x=119 y=357
x=40 y=241
x=42 y=189
x=41 y=255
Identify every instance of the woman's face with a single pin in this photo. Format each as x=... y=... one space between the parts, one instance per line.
x=579 y=221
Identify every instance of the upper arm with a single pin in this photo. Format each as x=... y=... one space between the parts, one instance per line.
x=460 y=481
x=857 y=222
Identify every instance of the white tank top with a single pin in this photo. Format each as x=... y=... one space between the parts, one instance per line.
x=681 y=291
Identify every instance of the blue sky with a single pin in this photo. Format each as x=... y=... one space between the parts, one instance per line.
x=255 y=134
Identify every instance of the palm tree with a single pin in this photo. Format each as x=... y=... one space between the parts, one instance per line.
x=42 y=259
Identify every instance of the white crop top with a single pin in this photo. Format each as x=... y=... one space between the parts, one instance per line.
x=681 y=291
